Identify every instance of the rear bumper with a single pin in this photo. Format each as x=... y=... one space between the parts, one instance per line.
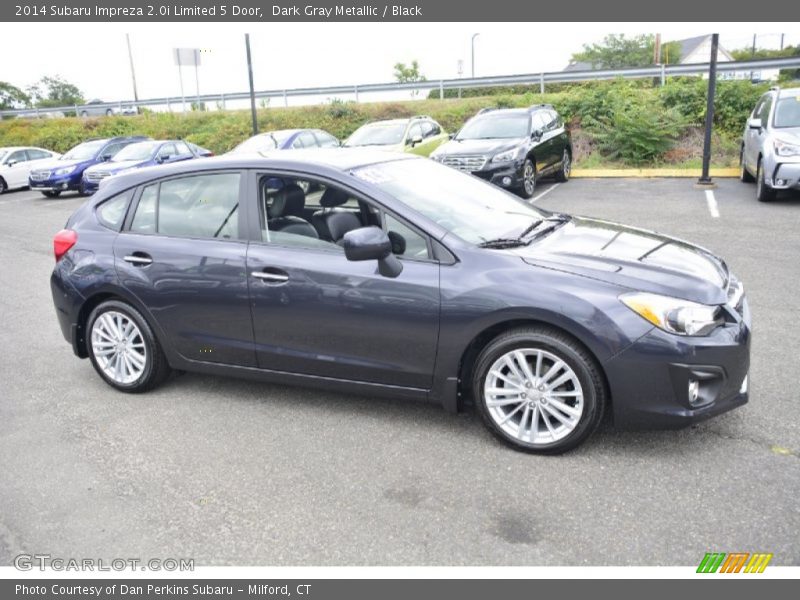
x=649 y=381
x=67 y=302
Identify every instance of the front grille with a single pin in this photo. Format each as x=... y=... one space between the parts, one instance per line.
x=40 y=175
x=464 y=162
x=95 y=176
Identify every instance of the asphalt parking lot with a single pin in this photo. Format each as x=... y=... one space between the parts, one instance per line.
x=242 y=473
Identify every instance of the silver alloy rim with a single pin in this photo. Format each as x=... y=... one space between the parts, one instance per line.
x=530 y=178
x=533 y=396
x=759 y=181
x=567 y=164
x=118 y=347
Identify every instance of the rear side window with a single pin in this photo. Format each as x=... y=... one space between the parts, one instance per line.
x=111 y=213
x=204 y=206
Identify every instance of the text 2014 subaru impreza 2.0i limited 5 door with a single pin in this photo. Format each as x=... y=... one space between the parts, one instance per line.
x=394 y=275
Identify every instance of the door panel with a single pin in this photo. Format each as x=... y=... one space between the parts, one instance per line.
x=317 y=313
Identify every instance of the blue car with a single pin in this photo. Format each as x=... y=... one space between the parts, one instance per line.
x=287 y=139
x=399 y=276
x=135 y=156
x=65 y=174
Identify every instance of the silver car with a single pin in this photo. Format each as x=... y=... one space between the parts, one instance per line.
x=98 y=108
x=771 y=144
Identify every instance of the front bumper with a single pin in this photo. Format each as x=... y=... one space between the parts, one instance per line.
x=649 y=381
x=507 y=175
x=90 y=187
x=63 y=183
x=786 y=176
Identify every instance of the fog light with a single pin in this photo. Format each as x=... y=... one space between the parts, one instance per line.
x=506 y=181
x=743 y=389
x=694 y=391
x=780 y=182
x=64 y=186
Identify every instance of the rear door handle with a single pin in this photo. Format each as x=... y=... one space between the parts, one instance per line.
x=271 y=275
x=139 y=259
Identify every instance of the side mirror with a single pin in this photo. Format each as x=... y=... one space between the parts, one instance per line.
x=417 y=139
x=163 y=158
x=537 y=134
x=755 y=124
x=451 y=136
x=372 y=243
x=106 y=157
x=11 y=163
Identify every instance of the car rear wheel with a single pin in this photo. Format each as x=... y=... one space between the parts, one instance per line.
x=84 y=113
x=538 y=390
x=50 y=194
x=764 y=193
x=566 y=167
x=528 y=186
x=123 y=349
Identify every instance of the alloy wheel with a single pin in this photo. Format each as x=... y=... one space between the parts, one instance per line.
x=533 y=396
x=118 y=347
x=529 y=178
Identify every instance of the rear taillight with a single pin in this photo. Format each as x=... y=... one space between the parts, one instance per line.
x=63 y=241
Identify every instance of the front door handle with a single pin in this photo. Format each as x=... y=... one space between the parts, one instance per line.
x=271 y=275
x=139 y=259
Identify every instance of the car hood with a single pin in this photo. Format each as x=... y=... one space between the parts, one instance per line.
x=632 y=258
x=457 y=147
x=54 y=164
x=116 y=167
x=790 y=134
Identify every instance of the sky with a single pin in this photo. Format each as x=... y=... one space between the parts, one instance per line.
x=286 y=55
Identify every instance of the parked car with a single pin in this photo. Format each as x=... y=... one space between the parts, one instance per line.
x=512 y=148
x=287 y=139
x=771 y=144
x=41 y=114
x=16 y=163
x=96 y=108
x=136 y=156
x=399 y=276
x=418 y=135
x=66 y=173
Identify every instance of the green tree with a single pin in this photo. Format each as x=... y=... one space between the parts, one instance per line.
x=54 y=91
x=11 y=96
x=618 y=51
x=408 y=74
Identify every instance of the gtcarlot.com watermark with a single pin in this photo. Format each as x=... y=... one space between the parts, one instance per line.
x=43 y=562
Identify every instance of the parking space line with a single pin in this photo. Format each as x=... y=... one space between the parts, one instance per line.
x=712 y=204
x=547 y=191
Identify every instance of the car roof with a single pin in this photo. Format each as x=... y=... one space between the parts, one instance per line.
x=789 y=93
x=338 y=159
x=388 y=122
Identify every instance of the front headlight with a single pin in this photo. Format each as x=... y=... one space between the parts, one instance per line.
x=507 y=156
x=674 y=315
x=784 y=148
x=64 y=171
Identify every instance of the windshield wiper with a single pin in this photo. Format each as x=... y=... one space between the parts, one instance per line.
x=503 y=243
x=554 y=221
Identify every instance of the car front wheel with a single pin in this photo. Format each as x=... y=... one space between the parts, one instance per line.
x=744 y=174
x=764 y=193
x=50 y=194
x=528 y=186
x=566 y=168
x=123 y=349
x=538 y=390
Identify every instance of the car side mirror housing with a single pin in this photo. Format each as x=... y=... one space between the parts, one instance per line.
x=11 y=163
x=451 y=136
x=755 y=123
x=372 y=243
x=537 y=134
x=106 y=157
x=417 y=139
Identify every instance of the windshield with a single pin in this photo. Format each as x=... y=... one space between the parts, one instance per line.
x=84 y=151
x=378 y=135
x=468 y=207
x=140 y=151
x=263 y=142
x=493 y=127
x=787 y=112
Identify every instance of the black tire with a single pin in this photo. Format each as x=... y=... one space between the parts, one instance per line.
x=156 y=368
x=84 y=113
x=50 y=194
x=109 y=112
x=3 y=186
x=566 y=167
x=744 y=174
x=566 y=349
x=528 y=186
x=764 y=193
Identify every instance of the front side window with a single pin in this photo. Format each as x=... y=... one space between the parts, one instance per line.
x=18 y=157
x=201 y=206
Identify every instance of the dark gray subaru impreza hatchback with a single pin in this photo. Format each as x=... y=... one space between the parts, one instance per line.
x=394 y=275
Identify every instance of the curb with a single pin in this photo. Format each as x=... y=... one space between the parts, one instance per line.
x=687 y=173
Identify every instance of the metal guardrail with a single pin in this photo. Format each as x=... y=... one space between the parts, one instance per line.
x=655 y=71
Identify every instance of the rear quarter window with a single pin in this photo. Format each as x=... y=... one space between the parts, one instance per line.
x=111 y=212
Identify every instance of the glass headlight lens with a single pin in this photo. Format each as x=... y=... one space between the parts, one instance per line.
x=674 y=315
x=65 y=171
x=506 y=156
x=784 y=148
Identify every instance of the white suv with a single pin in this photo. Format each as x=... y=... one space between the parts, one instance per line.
x=16 y=163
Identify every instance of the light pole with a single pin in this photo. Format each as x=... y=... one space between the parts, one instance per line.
x=133 y=71
x=474 y=35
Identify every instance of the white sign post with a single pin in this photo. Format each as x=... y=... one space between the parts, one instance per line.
x=189 y=57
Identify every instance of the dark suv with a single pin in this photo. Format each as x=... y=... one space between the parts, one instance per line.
x=512 y=148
